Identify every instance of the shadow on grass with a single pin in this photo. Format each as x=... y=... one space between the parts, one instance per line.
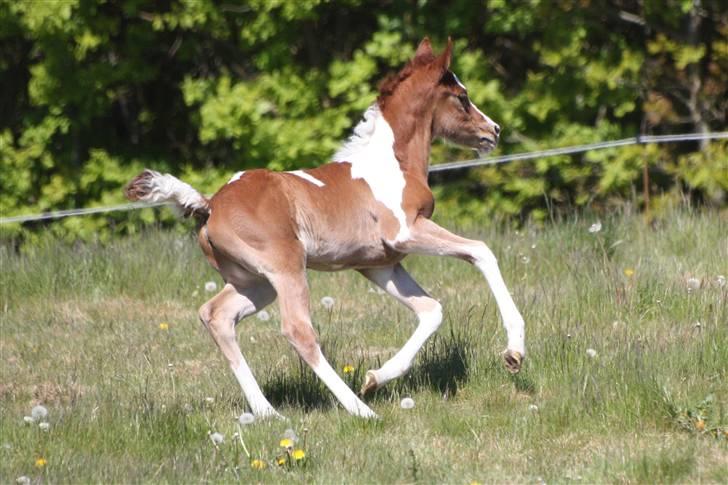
x=442 y=365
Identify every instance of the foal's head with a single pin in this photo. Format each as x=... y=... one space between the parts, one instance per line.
x=427 y=89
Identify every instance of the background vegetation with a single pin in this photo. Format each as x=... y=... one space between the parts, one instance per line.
x=91 y=91
x=128 y=401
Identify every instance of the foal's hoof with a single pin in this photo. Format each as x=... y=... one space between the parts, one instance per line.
x=513 y=360
x=370 y=383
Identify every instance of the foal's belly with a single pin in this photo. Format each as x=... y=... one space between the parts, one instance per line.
x=329 y=256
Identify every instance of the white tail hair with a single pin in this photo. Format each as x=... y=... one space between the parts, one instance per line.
x=151 y=186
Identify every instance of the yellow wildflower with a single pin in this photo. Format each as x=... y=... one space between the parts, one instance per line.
x=257 y=465
x=298 y=454
x=281 y=460
x=164 y=326
x=40 y=462
x=700 y=425
x=286 y=443
x=628 y=272
x=348 y=369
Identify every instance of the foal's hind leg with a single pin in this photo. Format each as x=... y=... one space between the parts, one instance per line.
x=293 y=298
x=219 y=315
x=398 y=283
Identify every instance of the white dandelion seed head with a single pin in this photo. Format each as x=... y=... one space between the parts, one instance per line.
x=217 y=438
x=533 y=408
x=23 y=480
x=210 y=286
x=209 y=400
x=291 y=435
x=246 y=418
x=525 y=259
x=595 y=228
x=39 y=412
x=698 y=325
x=263 y=316
x=44 y=426
x=187 y=408
x=533 y=246
x=591 y=353
x=28 y=420
x=407 y=403
x=327 y=302
x=693 y=284
x=720 y=280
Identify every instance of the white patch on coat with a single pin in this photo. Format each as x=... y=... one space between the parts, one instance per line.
x=236 y=176
x=307 y=177
x=370 y=150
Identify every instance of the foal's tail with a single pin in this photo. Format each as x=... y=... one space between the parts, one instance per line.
x=151 y=186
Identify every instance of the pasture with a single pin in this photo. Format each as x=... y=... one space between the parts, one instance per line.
x=626 y=378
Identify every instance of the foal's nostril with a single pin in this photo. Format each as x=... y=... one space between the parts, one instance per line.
x=496 y=128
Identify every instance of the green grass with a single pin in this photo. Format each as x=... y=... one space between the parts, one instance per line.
x=128 y=401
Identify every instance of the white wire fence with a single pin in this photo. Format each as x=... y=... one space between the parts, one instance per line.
x=463 y=164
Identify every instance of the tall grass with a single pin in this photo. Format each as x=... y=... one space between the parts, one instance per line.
x=132 y=402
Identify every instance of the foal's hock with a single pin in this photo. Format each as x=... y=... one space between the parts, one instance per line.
x=366 y=210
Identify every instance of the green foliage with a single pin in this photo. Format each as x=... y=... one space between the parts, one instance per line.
x=95 y=90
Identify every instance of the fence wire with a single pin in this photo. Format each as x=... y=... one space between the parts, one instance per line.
x=477 y=162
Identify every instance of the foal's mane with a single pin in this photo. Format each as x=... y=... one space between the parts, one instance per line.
x=390 y=83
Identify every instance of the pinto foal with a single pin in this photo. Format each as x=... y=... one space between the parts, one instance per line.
x=366 y=210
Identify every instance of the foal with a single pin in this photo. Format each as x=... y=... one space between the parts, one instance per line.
x=366 y=210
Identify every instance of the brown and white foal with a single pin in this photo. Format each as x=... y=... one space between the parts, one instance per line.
x=366 y=211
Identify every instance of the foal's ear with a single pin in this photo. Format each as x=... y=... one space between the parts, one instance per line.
x=442 y=62
x=424 y=50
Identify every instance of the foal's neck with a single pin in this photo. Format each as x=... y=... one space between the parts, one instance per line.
x=412 y=139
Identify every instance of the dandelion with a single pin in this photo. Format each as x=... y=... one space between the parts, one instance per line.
x=720 y=280
x=327 y=302
x=164 y=326
x=258 y=465
x=281 y=460
x=298 y=454
x=348 y=369
x=286 y=443
x=591 y=353
x=217 y=438
x=407 y=403
x=28 y=420
x=209 y=400
x=595 y=228
x=291 y=435
x=263 y=316
x=40 y=462
x=525 y=259
x=44 y=426
x=210 y=286
x=187 y=408
x=628 y=272
x=693 y=284
x=533 y=408
x=39 y=412
x=246 y=418
x=23 y=480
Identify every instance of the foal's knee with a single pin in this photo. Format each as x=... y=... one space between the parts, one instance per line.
x=432 y=318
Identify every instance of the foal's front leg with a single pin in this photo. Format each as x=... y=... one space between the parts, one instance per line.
x=399 y=284
x=428 y=238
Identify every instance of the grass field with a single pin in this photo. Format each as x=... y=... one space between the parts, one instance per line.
x=131 y=400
